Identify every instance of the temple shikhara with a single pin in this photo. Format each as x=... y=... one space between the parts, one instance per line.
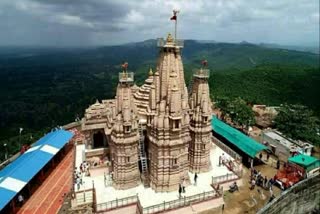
x=155 y=133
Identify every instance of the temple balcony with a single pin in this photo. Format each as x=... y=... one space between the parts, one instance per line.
x=176 y=43
x=126 y=77
x=201 y=73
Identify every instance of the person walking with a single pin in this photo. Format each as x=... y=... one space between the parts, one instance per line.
x=184 y=186
x=78 y=182
x=278 y=164
x=223 y=158
x=20 y=200
x=265 y=182
x=180 y=190
x=270 y=190
x=253 y=184
x=220 y=160
x=195 y=178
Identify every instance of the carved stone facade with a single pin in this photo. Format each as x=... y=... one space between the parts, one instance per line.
x=160 y=109
x=200 y=123
x=168 y=121
x=142 y=96
x=93 y=124
x=124 y=139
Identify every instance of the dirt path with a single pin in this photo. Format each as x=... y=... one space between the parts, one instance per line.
x=241 y=202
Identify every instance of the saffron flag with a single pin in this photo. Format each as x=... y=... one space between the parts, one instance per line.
x=204 y=63
x=174 y=17
x=125 y=65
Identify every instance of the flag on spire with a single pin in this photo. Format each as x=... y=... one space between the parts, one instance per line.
x=124 y=66
x=204 y=63
x=174 y=17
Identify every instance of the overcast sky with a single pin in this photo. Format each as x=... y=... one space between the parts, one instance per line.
x=106 y=22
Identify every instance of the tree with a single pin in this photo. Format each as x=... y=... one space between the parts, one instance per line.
x=237 y=110
x=241 y=114
x=298 y=122
x=224 y=105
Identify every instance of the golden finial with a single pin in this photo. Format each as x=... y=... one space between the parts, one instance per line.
x=169 y=38
x=150 y=72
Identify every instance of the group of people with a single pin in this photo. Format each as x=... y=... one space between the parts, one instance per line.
x=78 y=174
x=78 y=178
x=84 y=168
x=182 y=185
x=222 y=159
x=267 y=157
x=229 y=163
x=257 y=179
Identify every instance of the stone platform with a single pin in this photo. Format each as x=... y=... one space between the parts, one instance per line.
x=147 y=196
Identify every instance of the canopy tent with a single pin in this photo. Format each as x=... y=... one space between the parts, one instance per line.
x=307 y=162
x=246 y=144
x=18 y=173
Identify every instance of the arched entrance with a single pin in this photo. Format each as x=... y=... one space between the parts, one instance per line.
x=99 y=140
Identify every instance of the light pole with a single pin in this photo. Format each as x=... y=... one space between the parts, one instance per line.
x=6 y=152
x=20 y=130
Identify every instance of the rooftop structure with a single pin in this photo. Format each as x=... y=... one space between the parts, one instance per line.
x=307 y=162
x=283 y=146
x=246 y=144
x=17 y=175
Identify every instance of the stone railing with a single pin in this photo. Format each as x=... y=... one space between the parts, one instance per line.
x=162 y=42
x=178 y=203
x=227 y=149
x=102 y=207
x=126 y=76
x=83 y=197
x=224 y=178
x=201 y=73
x=216 y=182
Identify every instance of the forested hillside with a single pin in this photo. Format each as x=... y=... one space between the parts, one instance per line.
x=44 y=87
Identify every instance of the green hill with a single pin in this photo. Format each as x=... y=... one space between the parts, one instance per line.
x=44 y=87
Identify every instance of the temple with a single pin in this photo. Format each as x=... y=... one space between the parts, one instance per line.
x=156 y=133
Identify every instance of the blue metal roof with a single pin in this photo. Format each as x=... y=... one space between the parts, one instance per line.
x=18 y=173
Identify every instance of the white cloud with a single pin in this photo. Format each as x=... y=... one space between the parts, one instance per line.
x=72 y=20
x=288 y=21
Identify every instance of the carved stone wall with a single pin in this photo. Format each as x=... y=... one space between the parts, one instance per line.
x=124 y=140
x=200 y=125
x=168 y=121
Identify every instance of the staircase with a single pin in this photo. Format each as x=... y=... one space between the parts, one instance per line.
x=143 y=158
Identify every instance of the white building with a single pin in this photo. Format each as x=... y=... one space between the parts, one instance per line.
x=283 y=146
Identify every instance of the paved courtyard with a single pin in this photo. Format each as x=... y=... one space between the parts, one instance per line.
x=106 y=193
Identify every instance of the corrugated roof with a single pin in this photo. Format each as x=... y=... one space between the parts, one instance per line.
x=303 y=160
x=18 y=173
x=237 y=138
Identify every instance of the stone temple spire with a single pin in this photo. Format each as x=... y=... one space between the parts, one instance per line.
x=200 y=124
x=125 y=136
x=168 y=120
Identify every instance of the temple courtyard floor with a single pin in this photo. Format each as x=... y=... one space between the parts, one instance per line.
x=148 y=197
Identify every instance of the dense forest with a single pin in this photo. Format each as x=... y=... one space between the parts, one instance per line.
x=41 y=88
